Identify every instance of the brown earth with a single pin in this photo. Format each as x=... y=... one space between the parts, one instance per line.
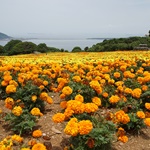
x=54 y=137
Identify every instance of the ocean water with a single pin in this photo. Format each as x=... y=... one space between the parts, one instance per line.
x=66 y=44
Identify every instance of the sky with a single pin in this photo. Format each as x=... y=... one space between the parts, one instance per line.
x=74 y=18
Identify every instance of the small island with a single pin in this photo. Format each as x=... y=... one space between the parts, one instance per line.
x=4 y=36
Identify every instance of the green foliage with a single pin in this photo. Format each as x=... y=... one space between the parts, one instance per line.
x=21 y=124
x=1 y=49
x=116 y=44
x=102 y=135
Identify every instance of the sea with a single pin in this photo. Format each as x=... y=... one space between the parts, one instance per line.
x=66 y=44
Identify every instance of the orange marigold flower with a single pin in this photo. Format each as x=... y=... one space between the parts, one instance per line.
x=7 y=78
x=63 y=104
x=76 y=78
x=91 y=107
x=114 y=99
x=117 y=74
x=58 y=118
x=147 y=106
x=49 y=100
x=67 y=90
x=36 y=112
x=9 y=102
x=13 y=82
x=147 y=121
x=90 y=143
x=37 y=133
x=136 y=93
x=43 y=96
x=39 y=146
x=68 y=112
x=4 y=83
x=10 y=89
x=32 y=142
x=62 y=95
x=17 y=138
x=79 y=98
x=144 y=87
x=72 y=127
x=45 y=83
x=123 y=138
x=105 y=94
x=140 y=114
x=120 y=132
x=85 y=126
x=97 y=101
x=17 y=111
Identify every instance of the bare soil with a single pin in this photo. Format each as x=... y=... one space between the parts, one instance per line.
x=54 y=137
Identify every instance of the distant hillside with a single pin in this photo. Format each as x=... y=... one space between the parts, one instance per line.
x=4 y=36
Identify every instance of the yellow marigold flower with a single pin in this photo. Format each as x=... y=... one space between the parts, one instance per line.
x=34 y=98
x=85 y=126
x=136 y=93
x=63 y=104
x=25 y=148
x=90 y=107
x=17 y=138
x=114 y=99
x=39 y=146
x=123 y=138
x=97 y=101
x=17 y=111
x=72 y=127
x=128 y=91
x=37 y=133
x=79 y=98
x=43 y=96
x=147 y=121
x=13 y=82
x=67 y=90
x=140 y=114
x=147 y=106
x=9 y=102
x=76 y=78
x=10 y=89
x=36 y=112
x=58 y=118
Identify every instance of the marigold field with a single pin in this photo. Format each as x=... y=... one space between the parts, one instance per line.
x=104 y=98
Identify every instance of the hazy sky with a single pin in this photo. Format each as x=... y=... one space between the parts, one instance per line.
x=74 y=18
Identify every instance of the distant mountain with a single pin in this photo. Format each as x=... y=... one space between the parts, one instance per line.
x=4 y=36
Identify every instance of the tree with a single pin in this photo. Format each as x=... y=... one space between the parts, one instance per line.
x=76 y=49
x=1 y=49
x=8 y=47
x=23 y=48
x=42 y=47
